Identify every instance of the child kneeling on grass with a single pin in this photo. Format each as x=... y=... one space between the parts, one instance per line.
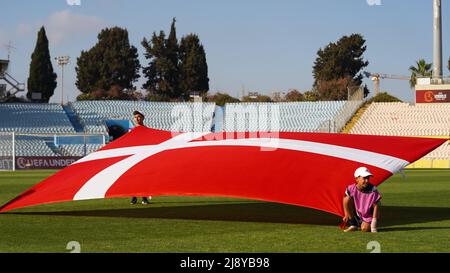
x=362 y=203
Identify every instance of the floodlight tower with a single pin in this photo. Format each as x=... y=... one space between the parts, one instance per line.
x=437 y=42
x=435 y=89
x=62 y=61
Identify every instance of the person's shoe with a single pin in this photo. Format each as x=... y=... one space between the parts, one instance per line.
x=145 y=201
x=133 y=201
x=351 y=228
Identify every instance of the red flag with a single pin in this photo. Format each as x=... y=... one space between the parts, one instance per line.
x=304 y=169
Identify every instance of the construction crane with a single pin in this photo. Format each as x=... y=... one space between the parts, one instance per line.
x=375 y=77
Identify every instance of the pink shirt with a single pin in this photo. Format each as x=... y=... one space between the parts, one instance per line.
x=364 y=201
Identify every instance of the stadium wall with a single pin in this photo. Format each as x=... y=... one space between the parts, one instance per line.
x=430 y=164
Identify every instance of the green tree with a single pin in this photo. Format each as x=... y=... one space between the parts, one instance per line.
x=338 y=61
x=222 y=98
x=172 y=51
x=294 y=95
x=88 y=71
x=111 y=65
x=162 y=73
x=41 y=79
x=336 y=89
x=155 y=48
x=384 y=97
x=193 y=66
x=311 y=96
x=448 y=65
x=422 y=69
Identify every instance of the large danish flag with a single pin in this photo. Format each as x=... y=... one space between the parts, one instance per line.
x=304 y=169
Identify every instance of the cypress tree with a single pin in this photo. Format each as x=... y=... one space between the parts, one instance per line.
x=172 y=59
x=41 y=78
x=154 y=72
x=162 y=73
x=193 y=66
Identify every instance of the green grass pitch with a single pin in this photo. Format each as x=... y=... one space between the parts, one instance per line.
x=415 y=218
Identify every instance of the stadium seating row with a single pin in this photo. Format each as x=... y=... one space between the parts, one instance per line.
x=283 y=117
x=25 y=148
x=159 y=115
x=39 y=118
x=404 y=119
x=52 y=119
x=78 y=149
x=39 y=148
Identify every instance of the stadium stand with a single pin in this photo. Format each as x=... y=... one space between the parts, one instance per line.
x=90 y=117
x=170 y=116
x=290 y=116
x=340 y=119
x=26 y=147
x=37 y=118
x=26 y=119
x=404 y=119
x=78 y=149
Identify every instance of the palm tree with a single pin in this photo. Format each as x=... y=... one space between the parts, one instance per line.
x=448 y=66
x=423 y=69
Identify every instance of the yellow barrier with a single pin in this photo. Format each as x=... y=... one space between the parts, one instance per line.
x=431 y=163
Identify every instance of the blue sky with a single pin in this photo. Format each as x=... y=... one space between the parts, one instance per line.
x=256 y=45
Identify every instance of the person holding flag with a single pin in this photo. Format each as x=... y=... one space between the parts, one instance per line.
x=361 y=203
x=139 y=121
